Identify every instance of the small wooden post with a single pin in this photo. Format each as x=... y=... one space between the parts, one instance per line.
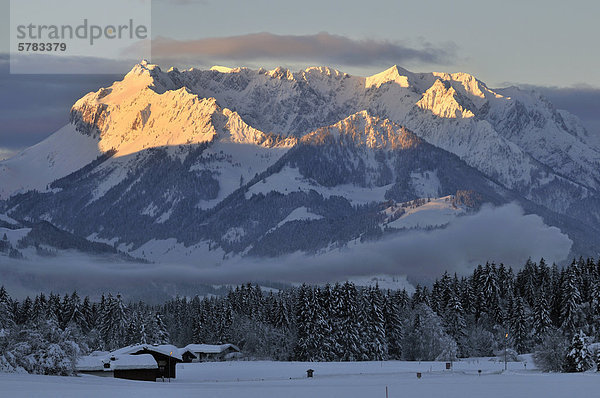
x=386 y=392
x=309 y=373
x=418 y=375
x=448 y=365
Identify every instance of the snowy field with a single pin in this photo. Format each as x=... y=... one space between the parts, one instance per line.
x=349 y=380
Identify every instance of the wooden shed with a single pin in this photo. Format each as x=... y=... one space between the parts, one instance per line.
x=131 y=367
x=213 y=352
x=166 y=356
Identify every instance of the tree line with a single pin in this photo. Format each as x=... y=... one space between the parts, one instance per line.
x=550 y=311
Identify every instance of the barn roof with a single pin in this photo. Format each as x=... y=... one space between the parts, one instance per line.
x=116 y=362
x=209 y=348
x=164 y=349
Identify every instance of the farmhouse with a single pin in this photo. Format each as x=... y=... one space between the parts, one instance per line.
x=132 y=367
x=166 y=356
x=150 y=362
x=210 y=352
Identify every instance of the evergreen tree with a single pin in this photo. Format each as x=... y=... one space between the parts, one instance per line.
x=376 y=325
x=570 y=302
x=306 y=346
x=578 y=358
x=88 y=322
x=454 y=322
x=25 y=313
x=114 y=322
x=6 y=315
x=541 y=316
x=347 y=326
x=161 y=335
x=393 y=325
x=519 y=331
x=413 y=348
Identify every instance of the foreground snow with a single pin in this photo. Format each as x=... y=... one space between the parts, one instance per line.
x=287 y=379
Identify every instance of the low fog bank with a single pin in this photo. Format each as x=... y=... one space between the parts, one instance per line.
x=501 y=234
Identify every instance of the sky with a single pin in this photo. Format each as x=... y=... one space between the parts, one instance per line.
x=547 y=45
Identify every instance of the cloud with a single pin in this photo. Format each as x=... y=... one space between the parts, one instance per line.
x=500 y=234
x=322 y=48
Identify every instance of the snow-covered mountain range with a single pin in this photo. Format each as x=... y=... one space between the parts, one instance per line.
x=226 y=163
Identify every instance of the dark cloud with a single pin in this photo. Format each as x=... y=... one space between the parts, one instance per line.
x=502 y=234
x=323 y=48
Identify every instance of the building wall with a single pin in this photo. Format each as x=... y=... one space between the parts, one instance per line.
x=137 y=374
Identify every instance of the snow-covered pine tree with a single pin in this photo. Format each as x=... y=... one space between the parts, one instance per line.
x=25 y=311
x=114 y=322
x=76 y=315
x=325 y=323
x=519 y=327
x=161 y=334
x=454 y=322
x=6 y=315
x=133 y=329
x=541 y=315
x=53 y=308
x=571 y=299
x=88 y=315
x=578 y=358
x=413 y=348
x=348 y=327
x=376 y=325
x=303 y=350
x=467 y=297
x=39 y=309
x=393 y=325
x=225 y=320
x=64 y=314
x=282 y=314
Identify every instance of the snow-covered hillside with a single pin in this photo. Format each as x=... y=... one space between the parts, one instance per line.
x=435 y=213
x=57 y=156
x=40 y=241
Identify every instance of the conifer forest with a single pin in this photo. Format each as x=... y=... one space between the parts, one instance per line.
x=551 y=311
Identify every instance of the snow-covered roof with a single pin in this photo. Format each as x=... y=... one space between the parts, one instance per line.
x=90 y=363
x=116 y=362
x=182 y=351
x=165 y=349
x=209 y=348
x=143 y=361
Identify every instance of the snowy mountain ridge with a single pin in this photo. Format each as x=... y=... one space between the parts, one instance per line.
x=456 y=112
x=213 y=161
